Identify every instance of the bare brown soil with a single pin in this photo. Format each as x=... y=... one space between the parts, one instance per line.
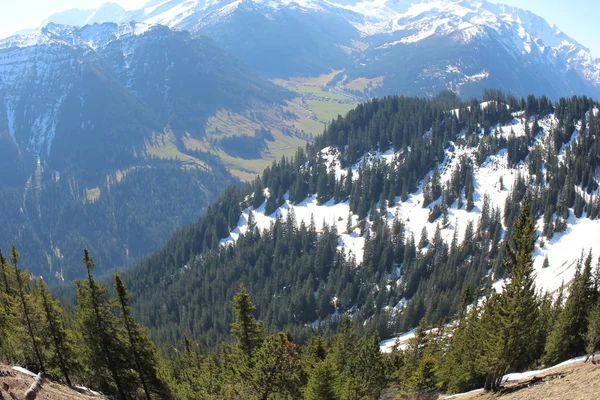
x=577 y=381
x=18 y=383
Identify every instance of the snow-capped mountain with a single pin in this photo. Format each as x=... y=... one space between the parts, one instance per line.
x=413 y=47
x=57 y=82
x=81 y=108
x=107 y=12
x=469 y=39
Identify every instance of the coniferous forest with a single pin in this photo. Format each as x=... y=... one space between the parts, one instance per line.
x=255 y=320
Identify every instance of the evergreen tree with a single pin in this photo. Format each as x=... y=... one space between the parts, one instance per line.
x=247 y=331
x=10 y=332
x=140 y=346
x=275 y=371
x=55 y=333
x=27 y=307
x=593 y=331
x=515 y=312
x=104 y=350
x=321 y=382
x=567 y=338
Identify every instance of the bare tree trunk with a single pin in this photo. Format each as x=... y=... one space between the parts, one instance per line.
x=35 y=387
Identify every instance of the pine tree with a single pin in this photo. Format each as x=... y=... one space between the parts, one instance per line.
x=516 y=310
x=593 y=331
x=9 y=329
x=55 y=333
x=247 y=331
x=567 y=338
x=321 y=382
x=345 y=343
x=276 y=369
x=26 y=307
x=365 y=374
x=105 y=352
x=143 y=350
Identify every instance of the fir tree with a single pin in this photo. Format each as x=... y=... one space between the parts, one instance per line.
x=321 y=382
x=567 y=338
x=593 y=331
x=105 y=352
x=143 y=350
x=56 y=334
x=26 y=308
x=247 y=331
x=276 y=369
x=515 y=311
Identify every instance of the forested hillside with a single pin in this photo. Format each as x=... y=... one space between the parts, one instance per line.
x=472 y=221
x=389 y=216
x=113 y=155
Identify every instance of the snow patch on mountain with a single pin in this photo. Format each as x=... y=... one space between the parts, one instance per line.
x=493 y=180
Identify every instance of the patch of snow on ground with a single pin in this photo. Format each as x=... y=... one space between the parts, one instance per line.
x=23 y=371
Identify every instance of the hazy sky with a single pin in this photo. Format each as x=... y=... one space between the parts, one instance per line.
x=577 y=18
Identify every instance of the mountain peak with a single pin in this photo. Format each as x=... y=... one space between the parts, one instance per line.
x=107 y=12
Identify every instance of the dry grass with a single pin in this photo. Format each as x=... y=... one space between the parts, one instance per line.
x=577 y=381
x=164 y=146
x=18 y=383
x=93 y=194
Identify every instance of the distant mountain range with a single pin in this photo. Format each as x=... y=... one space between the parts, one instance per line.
x=405 y=47
x=194 y=91
x=91 y=116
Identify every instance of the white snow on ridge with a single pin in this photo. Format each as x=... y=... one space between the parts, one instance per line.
x=493 y=179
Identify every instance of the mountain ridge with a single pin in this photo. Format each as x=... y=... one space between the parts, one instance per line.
x=359 y=37
x=413 y=224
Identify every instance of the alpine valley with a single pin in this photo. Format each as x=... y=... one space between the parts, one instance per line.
x=280 y=185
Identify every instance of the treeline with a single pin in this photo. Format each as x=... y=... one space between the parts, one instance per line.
x=183 y=289
x=103 y=346
x=517 y=329
x=99 y=345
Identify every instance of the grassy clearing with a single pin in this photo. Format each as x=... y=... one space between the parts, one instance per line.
x=304 y=122
x=92 y=194
x=318 y=92
x=226 y=123
x=320 y=80
x=363 y=84
x=164 y=146
x=247 y=170
x=326 y=111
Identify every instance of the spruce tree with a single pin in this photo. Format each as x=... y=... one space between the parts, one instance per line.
x=27 y=308
x=105 y=351
x=247 y=331
x=593 y=331
x=9 y=326
x=321 y=381
x=567 y=338
x=515 y=312
x=364 y=374
x=276 y=370
x=55 y=332
x=142 y=349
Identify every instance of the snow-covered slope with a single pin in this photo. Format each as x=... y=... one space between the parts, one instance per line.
x=39 y=70
x=493 y=180
x=107 y=12
x=463 y=45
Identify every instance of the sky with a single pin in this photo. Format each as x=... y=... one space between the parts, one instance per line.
x=577 y=18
